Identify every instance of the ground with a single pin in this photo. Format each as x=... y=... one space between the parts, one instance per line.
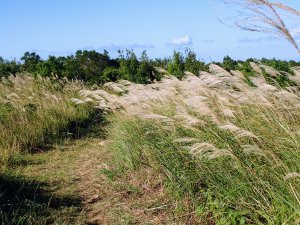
x=82 y=188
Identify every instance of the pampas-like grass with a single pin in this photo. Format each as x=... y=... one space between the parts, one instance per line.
x=291 y=176
x=34 y=112
x=209 y=151
x=239 y=132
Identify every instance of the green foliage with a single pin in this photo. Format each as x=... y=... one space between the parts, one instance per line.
x=91 y=65
x=229 y=64
x=111 y=74
x=51 y=67
x=192 y=64
x=145 y=71
x=284 y=81
x=279 y=65
x=129 y=65
x=8 y=67
x=30 y=62
x=176 y=65
x=163 y=63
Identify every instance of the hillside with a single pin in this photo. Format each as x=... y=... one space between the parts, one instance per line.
x=216 y=147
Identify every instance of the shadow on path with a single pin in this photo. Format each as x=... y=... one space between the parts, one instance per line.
x=24 y=201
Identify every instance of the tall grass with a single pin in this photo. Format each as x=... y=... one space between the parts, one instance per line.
x=35 y=112
x=248 y=175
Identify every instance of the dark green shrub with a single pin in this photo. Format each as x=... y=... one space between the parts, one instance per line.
x=112 y=74
x=229 y=64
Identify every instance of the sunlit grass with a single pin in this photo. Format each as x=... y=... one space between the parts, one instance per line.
x=37 y=112
x=229 y=177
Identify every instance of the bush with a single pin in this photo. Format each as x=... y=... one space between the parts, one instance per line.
x=279 y=65
x=8 y=67
x=229 y=64
x=176 y=65
x=111 y=74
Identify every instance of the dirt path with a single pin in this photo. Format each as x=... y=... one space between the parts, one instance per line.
x=88 y=166
x=76 y=183
x=135 y=198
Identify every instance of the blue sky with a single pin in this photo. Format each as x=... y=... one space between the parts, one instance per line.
x=60 y=27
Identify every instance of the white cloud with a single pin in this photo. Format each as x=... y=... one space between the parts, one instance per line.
x=184 y=40
x=295 y=32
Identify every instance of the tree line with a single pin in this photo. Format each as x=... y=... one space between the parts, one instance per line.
x=97 y=68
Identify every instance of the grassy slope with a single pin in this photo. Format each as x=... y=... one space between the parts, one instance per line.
x=244 y=180
x=144 y=177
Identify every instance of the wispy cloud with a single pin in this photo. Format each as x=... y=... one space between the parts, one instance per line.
x=258 y=40
x=208 y=41
x=182 y=41
x=113 y=47
x=295 y=32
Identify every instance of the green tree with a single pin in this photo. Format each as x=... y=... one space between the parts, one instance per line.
x=92 y=64
x=30 y=62
x=51 y=67
x=145 y=71
x=8 y=67
x=176 y=65
x=111 y=74
x=129 y=65
x=191 y=63
x=229 y=64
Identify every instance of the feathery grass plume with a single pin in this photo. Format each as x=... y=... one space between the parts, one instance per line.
x=86 y=100
x=13 y=96
x=264 y=16
x=253 y=150
x=167 y=123
x=207 y=150
x=185 y=140
x=77 y=101
x=290 y=176
x=239 y=132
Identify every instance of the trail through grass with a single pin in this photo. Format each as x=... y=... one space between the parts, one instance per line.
x=40 y=189
x=75 y=183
